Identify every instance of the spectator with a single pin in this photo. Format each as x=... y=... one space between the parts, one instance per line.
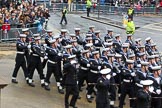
x=13 y=20
x=1 y=20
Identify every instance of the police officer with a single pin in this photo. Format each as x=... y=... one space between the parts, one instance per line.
x=157 y=84
x=127 y=87
x=88 y=6
x=130 y=28
x=130 y=11
x=35 y=60
x=109 y=35
x=71 y=82
x=52 y=66
x=64 y=12
x=21 y=47
x=103 y=83
x=84 y=68
x=93 y=74
x=144 y=94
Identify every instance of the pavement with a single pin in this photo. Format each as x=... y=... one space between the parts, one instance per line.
x=22 y=96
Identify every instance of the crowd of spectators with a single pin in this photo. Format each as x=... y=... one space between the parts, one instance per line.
x=23 y=14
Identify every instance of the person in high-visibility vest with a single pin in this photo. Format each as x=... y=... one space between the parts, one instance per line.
x=130 y=28
x=130 y=12
x=64 y=12
x=88 y=6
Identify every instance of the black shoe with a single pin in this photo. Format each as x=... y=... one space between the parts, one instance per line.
x=60 y=23
x=61 y=91
x=80 y=89
x=31 y=84
x=73 y=106
x=79 y=97
x=89 y=100
x=42 y=85
x=92 y=97
x=14 y=81
x=46 y=87
x=27 y=81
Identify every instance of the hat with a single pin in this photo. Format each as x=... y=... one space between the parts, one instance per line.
x=77 y=29
x=131 y=55
x=144 y=63
x=154 y=68
x=109 y=40
x=88 y=35
x=110 y=55
x=63 y=30
x=110 y=30
x=71 y=56
x=146 y=82
x=98 y=31
x=118 y=55
x=68 y=46
x=36 y=35
x=0 y=14
x=37 y=38
x=48 y=31
x=153 y=44
x=141 y=54
x=125 y=45
x=141 y=46
x=108 y=44
x=156 y=56
x=105 y=71
x=151 y=57
x=23 y=35
x=117 y=35
x=72 y=35
x=25 y=29
x=73 y=41
x=130 y=61
x=147 y=39
x=95 y=52
x=85 y=51
x=89 y=38
x=92 y=26
x=138 y=39
x=129 y=35
x=89 y=45
x=106 y=49
x=52 y=41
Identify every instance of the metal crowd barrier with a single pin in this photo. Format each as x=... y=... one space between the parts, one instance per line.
x=105 y=8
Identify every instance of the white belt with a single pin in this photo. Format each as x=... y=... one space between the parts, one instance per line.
x=18 y=52
x=52 y=62
x=94 y=71
x=35 y=55
x=139 y=85
x=83 y=68
x=126 y=80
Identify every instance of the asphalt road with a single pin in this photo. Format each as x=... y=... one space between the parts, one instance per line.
x=23 y=96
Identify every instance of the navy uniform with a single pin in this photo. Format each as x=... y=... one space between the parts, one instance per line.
x=71 y=82
x=20 y=58
x=144 y=95
x=68 y=51
x=76 y=49
x=78 y=37
x=127 y=86
x=103 y=83
x=97 y=40
x=91 y=30
x=148 y=45
x=109 y=35
x=87 y=40
x=65 y=41
x=151 y=60
x=93 y=74
x=84 y=68
x=35 y=60
x=157 y=84
x=52 y=66
x=117 y=44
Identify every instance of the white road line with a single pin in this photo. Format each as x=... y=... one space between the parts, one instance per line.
x=147 y=32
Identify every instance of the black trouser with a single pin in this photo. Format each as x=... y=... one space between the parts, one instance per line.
x=52 y=68
x=63 y=18
x=156 y=102
x=20 y=62
x=82 y=75
x=112 y=89
x=117 y=79
x=127 y=88
x=92 y=79
x=88 y=11
x=44 y=63
x=71 y=89
x=102 y=105
x=35 y=63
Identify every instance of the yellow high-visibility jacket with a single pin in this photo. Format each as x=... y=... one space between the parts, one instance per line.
x=130 y=29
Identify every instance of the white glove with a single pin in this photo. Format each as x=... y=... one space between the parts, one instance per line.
x=45 y=45
x=77 y=82
x=108 y=76
x=99 y=67
x=114 y=74
x=133 y=74
x=60 y=39
x=59 y=54
x=151 y=89
x=158 y=91
x=29 y=46
x=73 y=62
x=45 y=57
x=88 y=65
x=141 y=81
